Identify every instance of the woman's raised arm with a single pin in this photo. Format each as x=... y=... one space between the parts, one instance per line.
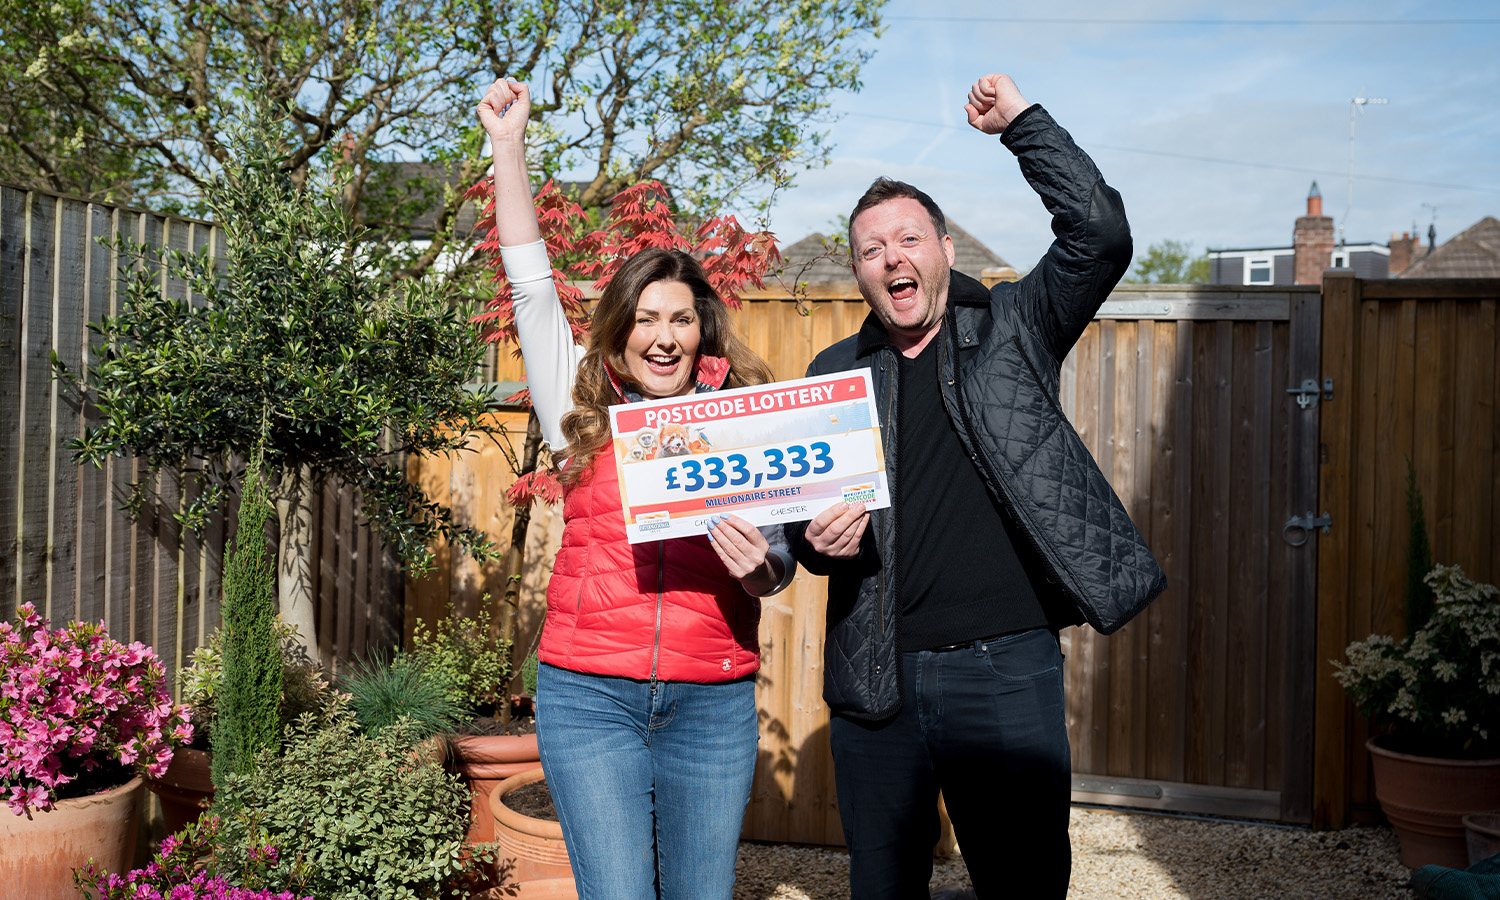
x=546 y=339
x=503 y=113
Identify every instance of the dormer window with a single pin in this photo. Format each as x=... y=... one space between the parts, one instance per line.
x=1259 y=270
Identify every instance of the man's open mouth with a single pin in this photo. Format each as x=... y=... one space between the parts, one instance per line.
x=902 y=288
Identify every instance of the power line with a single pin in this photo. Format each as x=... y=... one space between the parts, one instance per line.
x=1343 y=23
x=1216 y=160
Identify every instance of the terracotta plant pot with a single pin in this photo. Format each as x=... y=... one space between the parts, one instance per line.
x=185 y=789
x=1426 y=798
x=38 y=855
x=1483 y=835
x=537 y=889
x=534 y=846
x=486 y=760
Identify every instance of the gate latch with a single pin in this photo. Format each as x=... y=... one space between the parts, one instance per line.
x=1297 y=528
x=1307 y=395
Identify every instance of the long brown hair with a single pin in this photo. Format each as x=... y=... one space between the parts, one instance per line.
x=586 y=426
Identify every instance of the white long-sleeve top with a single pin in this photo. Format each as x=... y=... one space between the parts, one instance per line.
x=552 y=360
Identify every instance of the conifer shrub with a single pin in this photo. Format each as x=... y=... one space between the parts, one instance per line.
x=248 y=721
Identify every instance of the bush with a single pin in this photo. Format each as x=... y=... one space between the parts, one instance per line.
x=184 y=869
x=303 y=688
x=248 y=718
x=528 y=674
x=460 y=652
x=354 y=815
x=384 y=693
x=1439 y=689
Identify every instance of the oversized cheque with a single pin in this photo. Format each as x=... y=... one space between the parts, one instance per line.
x=771 y=453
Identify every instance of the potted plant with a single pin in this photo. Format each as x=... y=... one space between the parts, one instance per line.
x=484 y=747
x=401 y=689
x=527 y=832
x=353 y=814
x=1436 y=697
x=81 y=717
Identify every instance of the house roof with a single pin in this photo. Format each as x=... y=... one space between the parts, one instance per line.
x=970 y=256
x=411 y=176
x=1351 y=246
x=1472 y=253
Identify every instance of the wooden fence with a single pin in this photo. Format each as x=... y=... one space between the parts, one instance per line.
x=64 y=543
x=1204 y=704
x=1219 y=699
x=1414 y=377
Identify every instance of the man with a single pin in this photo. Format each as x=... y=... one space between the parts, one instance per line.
x=942 y=665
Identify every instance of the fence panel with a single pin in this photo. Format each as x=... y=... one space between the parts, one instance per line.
x=1415 y=379
x=65 y=545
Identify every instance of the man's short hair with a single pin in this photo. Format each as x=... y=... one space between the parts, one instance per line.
x=883 y=189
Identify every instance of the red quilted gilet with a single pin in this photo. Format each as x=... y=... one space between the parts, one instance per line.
x=664 y=608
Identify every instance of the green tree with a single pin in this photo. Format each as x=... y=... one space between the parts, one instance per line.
x=133 y=99
x=1169 y=262
x=294 y=350
x=248 y=715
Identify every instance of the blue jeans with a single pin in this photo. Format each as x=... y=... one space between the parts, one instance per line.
x=985 y=724
x=650 y=781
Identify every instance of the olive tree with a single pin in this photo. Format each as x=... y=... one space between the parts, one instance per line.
x=290 y=346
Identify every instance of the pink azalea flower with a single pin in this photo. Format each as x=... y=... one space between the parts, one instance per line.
x=70 y=698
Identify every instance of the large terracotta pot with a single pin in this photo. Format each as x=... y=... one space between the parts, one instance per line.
x=185 y=789
x=1483 y=832
x=537 y=889
x=38 y=855
x=1426 y=798
x=486 y=760
x=534 y=846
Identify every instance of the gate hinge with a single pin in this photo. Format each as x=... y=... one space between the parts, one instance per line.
x=1297 y=528
x=1307 y=394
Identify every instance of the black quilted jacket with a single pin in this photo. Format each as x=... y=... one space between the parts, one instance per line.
x=999 y=352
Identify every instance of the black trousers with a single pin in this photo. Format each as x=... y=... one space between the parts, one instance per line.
x=985 y=724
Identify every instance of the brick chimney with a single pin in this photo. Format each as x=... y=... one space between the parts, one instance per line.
x=1312 y=241
x=1403 y=252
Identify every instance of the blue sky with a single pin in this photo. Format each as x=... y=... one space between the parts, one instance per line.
x=1267 y=102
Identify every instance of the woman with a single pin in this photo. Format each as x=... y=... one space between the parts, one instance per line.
x=646 y=697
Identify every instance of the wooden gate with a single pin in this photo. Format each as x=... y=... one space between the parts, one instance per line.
x=1204 y=703
x=1416 y=382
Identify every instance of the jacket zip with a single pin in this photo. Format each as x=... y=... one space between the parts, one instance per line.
x=890 y=418
x=661 y=568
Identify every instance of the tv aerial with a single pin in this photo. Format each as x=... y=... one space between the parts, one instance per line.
x=1356 y=108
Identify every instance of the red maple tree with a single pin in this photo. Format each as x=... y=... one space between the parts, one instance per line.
x=639 y=217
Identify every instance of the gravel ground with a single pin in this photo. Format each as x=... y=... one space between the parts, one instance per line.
x=1123 y=855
